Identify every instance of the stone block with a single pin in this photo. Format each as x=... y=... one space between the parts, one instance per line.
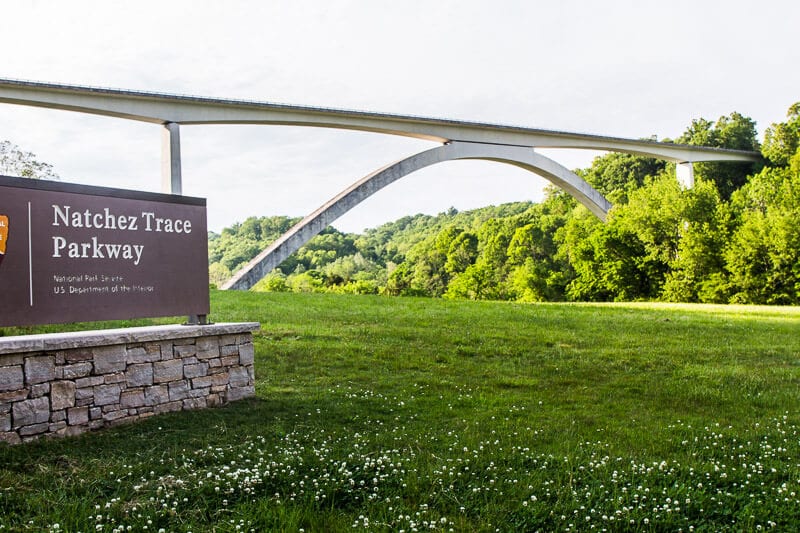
x=95 y=413
x=58 y=416
x=10 y=438
x=40 y=369
x=57 y=426
x=90 y=381
x=70 y=431
x=166 y=371
x=185 y=350
x=77 y=370
x=108 y=359
x=247 y=354
x=156 y=395
x=35 y=429
x=215 y=363
x=214 y=400
x=62 y=395
x=78 y=416
x=228 y=340
x=153 y=348
x=231 y=349
x=11 y=378
x=194 y=403
x=168 y=407
x=199 y=393
x=207 y=347
x=78 y=355
x=39 y=390
x=5 y=422
x=241 y=393
x=14 y=395
x=107 y=394
x=11 y=360
x=216 y=389
x=139 y=375
x=132 y=398
x=210 y=381
x=239 y=377
x=167 y=350
x=143 y=355
x=231 y=360
x=178 y=390
x=115 y=377
x=194 y=371
x=85 y=393
x=30 y=412
x=112 y=416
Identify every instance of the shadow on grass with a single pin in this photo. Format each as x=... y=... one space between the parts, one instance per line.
x=160 y=435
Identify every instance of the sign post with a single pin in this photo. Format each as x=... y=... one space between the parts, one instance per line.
x=72 y=253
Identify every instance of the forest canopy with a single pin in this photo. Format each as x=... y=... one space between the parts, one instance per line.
x=732 y=238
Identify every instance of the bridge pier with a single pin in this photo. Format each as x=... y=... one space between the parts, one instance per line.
x=171 y=182
x=685 y=174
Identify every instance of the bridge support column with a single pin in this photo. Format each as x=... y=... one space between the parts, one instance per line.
x=171 y=159
x=685 y=173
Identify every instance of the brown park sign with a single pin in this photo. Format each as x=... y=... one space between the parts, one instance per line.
x=71 y=253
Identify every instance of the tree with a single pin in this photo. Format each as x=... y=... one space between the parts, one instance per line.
x=462 y=253
x=614 y=175
x=736 y=132
x=782 y=140
x=15 y=162
x=763 y=255
x=697 y=273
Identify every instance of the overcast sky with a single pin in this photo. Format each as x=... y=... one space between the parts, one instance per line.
x=621 y=68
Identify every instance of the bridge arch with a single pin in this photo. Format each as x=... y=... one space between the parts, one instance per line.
x=313 y=224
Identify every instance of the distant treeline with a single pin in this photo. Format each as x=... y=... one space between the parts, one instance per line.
x=733 y=238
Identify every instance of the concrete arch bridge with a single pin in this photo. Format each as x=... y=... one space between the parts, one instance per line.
x=458 y=140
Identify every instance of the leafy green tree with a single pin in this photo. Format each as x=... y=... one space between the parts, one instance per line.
x=463 y=252
x=218 y=274
x=275 y=281
x=615 y=175
x=782 y=140
x=763 y=256
x=576 y=250
x=307 y=281
x=736 y=132
x=628 y=257
x=697 y=273
x=239 y=254
x=15 y=162
x=477 y=282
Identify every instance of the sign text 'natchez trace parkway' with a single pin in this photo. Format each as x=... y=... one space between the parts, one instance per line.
x=72 y=253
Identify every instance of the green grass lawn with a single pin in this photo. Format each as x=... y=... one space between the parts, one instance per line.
x=389 y=414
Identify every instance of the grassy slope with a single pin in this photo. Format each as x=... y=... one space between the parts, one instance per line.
x=440 y=387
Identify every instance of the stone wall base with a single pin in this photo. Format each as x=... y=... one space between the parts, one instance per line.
x=68 y=383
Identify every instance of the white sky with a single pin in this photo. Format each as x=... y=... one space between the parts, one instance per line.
x=621 y=68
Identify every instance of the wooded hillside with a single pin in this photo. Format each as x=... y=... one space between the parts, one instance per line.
x=734 y=237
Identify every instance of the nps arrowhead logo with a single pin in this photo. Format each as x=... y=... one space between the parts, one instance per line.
x=3 y=236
